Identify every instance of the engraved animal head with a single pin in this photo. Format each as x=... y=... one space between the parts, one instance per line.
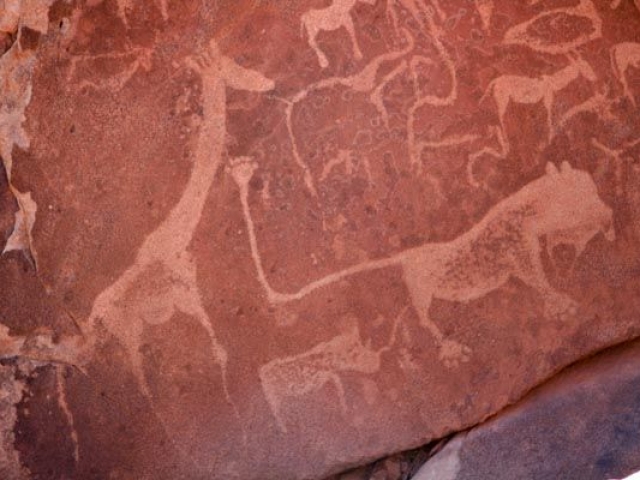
x=569 y=209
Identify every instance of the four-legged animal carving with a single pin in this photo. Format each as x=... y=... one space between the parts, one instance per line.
x=162 y=279
x=504 y=244
x=328 y=19
x=527 y=90
x=623 y=56
x=308 y=372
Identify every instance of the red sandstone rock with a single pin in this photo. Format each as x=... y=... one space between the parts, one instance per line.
x=252 y=232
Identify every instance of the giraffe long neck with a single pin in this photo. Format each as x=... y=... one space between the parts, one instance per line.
x=175 y=233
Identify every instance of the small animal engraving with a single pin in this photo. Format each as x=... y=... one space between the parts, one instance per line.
x=310 y=371
x=329 y=19
x=526 y=90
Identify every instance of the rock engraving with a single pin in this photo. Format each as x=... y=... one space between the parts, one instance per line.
x=524 y=33
x=363 y=81
x=335 y=16
x=310 y=371
x=506 y=89
x=562 y=205
x=163 y=278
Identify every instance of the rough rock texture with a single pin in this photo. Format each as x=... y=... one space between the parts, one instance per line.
x=247 y=233
x=583 y=425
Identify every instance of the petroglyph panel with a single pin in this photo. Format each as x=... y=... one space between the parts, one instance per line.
x=241 y=234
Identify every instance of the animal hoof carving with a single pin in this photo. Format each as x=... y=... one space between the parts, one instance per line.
x=453 y=353
x=242 y=169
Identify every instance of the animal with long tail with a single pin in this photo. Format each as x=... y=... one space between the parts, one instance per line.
x=504 y=244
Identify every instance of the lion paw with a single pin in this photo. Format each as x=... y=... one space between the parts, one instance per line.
x=242 y=169
x=453 y=353
x=561 y=308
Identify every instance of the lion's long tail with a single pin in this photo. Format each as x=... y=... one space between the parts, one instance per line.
x=281 y=297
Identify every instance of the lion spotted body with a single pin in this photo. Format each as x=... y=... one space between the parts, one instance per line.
x=562 y=205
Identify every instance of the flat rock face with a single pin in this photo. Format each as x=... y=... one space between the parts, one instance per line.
x=584 y=425
x=248 y=233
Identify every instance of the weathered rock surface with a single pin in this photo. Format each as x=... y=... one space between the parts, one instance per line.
x=247 y=233
x=584 y=424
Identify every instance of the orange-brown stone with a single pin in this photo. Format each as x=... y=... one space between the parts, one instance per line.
x=279 y=239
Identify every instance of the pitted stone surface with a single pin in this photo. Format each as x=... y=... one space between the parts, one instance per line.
x=244 y=234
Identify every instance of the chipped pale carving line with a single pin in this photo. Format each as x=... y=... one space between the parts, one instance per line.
x=329 y=19
x=616 y=156
x=309 y=371
x=494 y=131
x=519 y=34
x=599 y=103
x=363 y=81
x=432 y=100
x=506 y=89
x=141 y=61
x=450 y=270
x=166 y=247
x=485 y=9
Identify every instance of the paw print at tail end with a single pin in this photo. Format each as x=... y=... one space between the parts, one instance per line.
x=242 y=169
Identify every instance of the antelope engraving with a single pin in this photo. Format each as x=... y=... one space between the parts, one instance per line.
x=623 y=56
x=162 y=279
x=526 y=90
x=310 y=371
x=329 y=19
x=504 y=244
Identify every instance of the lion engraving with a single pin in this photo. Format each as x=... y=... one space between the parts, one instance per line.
x=562 y=205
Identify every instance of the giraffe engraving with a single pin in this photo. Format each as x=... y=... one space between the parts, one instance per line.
x=163 y=277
